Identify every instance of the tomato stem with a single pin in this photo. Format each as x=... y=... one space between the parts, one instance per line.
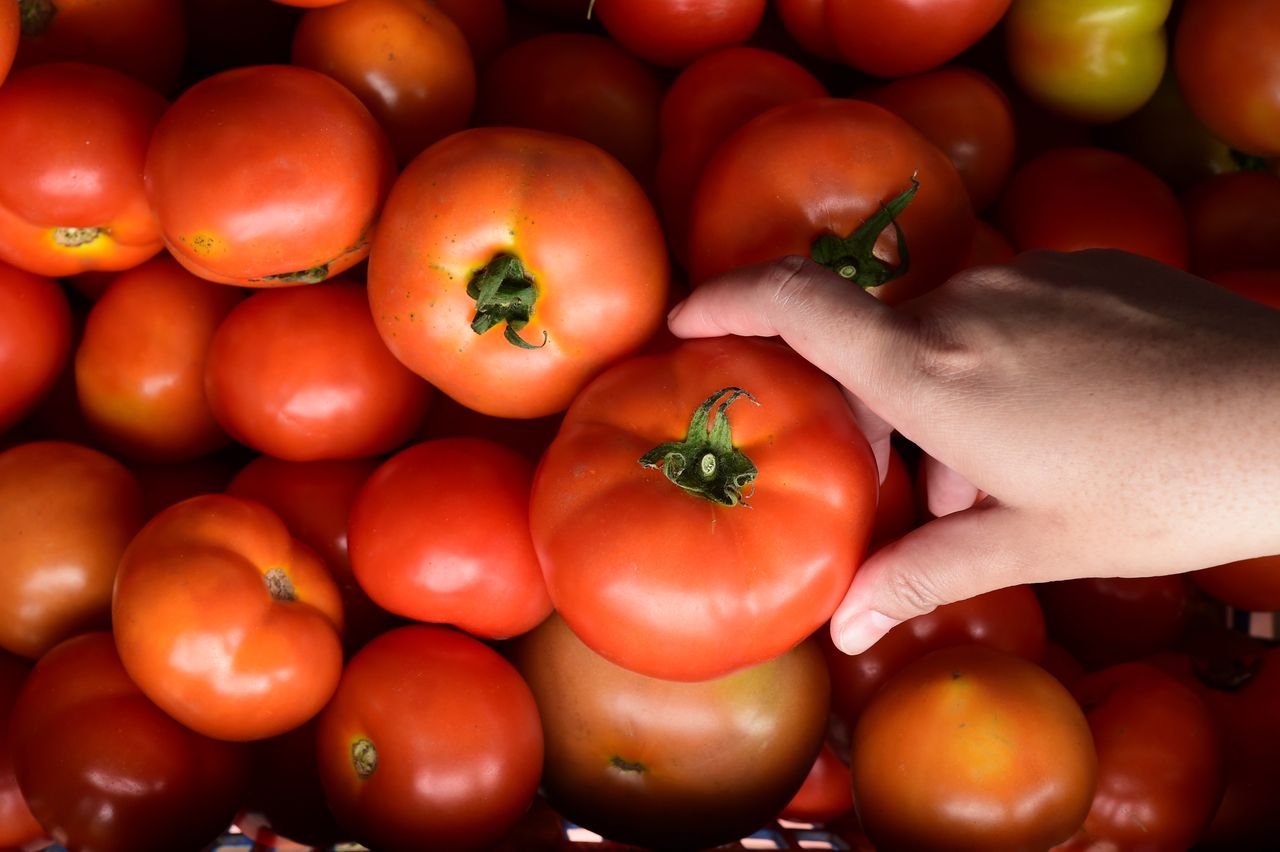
x=35 y=17
x=364 y=757
x=705 y=463
x=504 y=293
x=279 y=584
x=853 y=257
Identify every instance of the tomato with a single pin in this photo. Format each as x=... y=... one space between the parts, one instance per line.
x=1150 y=797
x=286 y=208
x=674 y=33
x=432 y=741
x=894 y=38
x=989 y=246
x=1229 y=69
x=314 y=500
x=581 y=85
x=1249 y=584
x=619 y=516
x=825 y=794
x=970 y=747
x=146 y=39
x=9 y=32
x=300 y=373
x=667 y=764
x=35 y=340
x=1095 y=61
x=406 y=60
x=73 y=138
x=510 y=227
x=816 y=170
x=226 y=621
x=1261 y=285
x=18 y=825
x=966 y=114
x=483 y=23
x=440 y=533
x=105 y=769
x=140 y=364
x=66 y=514
x=1087 y=197
x=1233 y=221
x=896 y=513
x=806 y=22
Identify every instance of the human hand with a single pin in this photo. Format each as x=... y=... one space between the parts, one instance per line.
x=1122 y=418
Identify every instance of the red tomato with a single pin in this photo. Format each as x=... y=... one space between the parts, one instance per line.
x=35 y=340
x=140 y=364
x=286 y=208
x=483 y=24
x=1249 y=584
x=509 y=227
x=1234 y=222
x=1150 y=797
x=990 y=246
x=1069 y=199
x=896 y=513
x=440 y=533
x=226 y=621
x=806 y=22
x=825 y=794
x=970 y=747
x=66 y=514
x=1261 y=285
x=406 y=60
x=432 y=741
x=894 y=38
x=817 y=170
x=9 y=31
x=73 y=138
x=1228 y=65
x=105 y=769
x=619 y=516
x=301 y=374
x=18 y=825
x=676 y=32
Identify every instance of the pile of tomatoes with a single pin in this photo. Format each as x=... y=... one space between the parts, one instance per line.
x=353 y=491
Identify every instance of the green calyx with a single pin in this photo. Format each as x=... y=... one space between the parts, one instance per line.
x=705 y=463
x=853 y=257
x=504 y=293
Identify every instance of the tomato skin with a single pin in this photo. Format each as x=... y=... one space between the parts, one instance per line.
x=18 y=825
x=73 y=138
x=805 y=169
x=990 y=246
x=806 y=22
x=484 y=24
x=563 y=207
x=825 y=794
x=673 y=33
x=105 y=769
x=457 y=736
x=894 y=38
x=969 y=747
x=1229 y=70
x=9 y=32
x=776 y=570
x=300 y=373
x=1233 y=220
x=35 y=340
x=667 y=764
x=202 y=634
x=896 y=513
x=1249 y=584
x=286 y=208
x=1261 y=285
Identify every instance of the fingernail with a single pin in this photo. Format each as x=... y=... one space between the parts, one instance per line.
x=863 y=630
x=675 y=312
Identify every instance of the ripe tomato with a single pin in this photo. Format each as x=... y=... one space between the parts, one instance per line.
x=817 y=170
x=66 y=514
x=35 y=340
x=141 y=361
x=894 y=38
x=990 y=246
x=1229 y=70
x=286 y=208
x=483 y=23
x=73 y=138
x=633 y=492
x=825 y=794
x=510 y=227
x=970 y=747
x=9 y=32
x=1249 y=584
x=1261 y=285
x=105 y=769
x=301 y=374
x=665 y=764
x=406 y=60
x=1233 y=220
x=896 y=512
x=18 y=826
x=226 y=621
x=674 y=33
x=806 y=22
x=432 y=741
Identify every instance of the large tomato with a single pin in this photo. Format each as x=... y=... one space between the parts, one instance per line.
x=894 y=38
x=286 y=207
x=638 y=511
x=487 y=275
x=432 y=741
x=35 y=340
x=226 y=621
x=676 y=32
x=819 y=171
x=666 y=764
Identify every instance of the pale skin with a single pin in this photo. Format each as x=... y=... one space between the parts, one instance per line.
x=1110 y=416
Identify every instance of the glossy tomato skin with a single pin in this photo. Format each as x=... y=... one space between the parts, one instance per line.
x=824 y=166
x=35 y=340
x=432 y=741
x=973 y=748
x=301 y=373
x=18 y=826
x=1249 y=584
x=673 y=33
x=226 y=621
x=66 y=514
x=667 y=764
x=617 y=540
x=894 y=38
x=564 y=209
x=103 y=768
x=140 y=363
x=286 y=208
x=73 y=138
x=1232 y=221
